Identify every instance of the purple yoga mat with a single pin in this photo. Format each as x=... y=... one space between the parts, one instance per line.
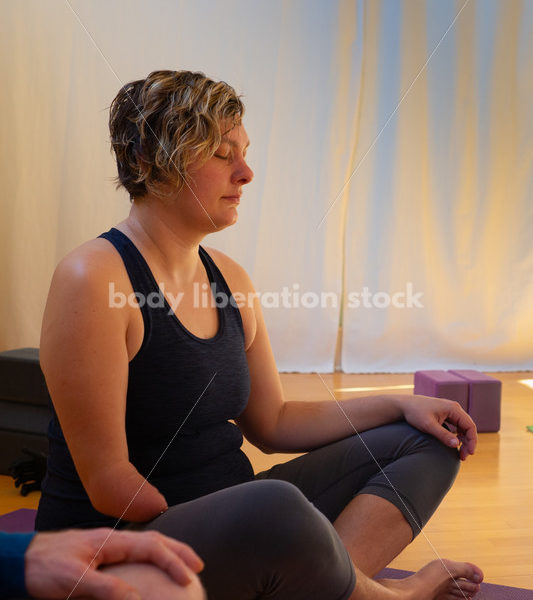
x=18 y=521
x=489 y=591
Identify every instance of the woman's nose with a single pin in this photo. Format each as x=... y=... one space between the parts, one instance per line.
x=243 y=174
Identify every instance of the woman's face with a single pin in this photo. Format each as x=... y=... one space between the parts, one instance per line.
x=216 y=185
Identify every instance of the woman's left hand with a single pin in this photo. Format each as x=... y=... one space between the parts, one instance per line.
x=428 y=414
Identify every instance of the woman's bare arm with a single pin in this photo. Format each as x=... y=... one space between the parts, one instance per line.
x=276 y=425
x=85 y=362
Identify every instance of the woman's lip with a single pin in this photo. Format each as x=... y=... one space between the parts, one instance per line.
x=233 y=198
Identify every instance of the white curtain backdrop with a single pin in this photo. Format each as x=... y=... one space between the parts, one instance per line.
x=372 y=168
x=444 y=199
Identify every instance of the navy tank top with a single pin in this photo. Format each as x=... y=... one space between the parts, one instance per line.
x=182 y=392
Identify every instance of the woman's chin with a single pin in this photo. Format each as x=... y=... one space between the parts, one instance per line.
x=227 y=220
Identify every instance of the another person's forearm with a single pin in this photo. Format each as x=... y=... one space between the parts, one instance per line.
x=122 y=492
x=304 y=425
x=12 y=549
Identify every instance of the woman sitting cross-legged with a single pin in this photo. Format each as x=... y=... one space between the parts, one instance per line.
x=146 y=381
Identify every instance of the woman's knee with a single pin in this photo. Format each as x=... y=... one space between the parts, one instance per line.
x=442 y=459
x=420 y=467
x=288 y=522
x=434 y=456
x=426 y=475
x=291 y=531
x=269 y=529
x=276 y=507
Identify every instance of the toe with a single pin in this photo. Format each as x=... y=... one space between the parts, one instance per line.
x=464 y=570
x=462 y=585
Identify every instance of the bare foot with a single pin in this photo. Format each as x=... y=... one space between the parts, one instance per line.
x=438 y=580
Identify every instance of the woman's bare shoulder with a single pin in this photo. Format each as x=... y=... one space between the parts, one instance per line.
x=93 y=261
x=83 y=282
x=236 y=275
x=97 y=251
x=79 y=307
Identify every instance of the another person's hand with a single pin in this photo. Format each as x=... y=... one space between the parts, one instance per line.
x=428 y=414
x=65 y=564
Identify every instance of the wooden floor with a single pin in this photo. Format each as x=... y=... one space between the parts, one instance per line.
x=487 y=518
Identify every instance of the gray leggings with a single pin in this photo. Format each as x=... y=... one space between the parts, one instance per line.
x=272 y=538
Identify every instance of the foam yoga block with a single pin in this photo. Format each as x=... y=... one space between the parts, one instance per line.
x=442 y=384
x=484 y=399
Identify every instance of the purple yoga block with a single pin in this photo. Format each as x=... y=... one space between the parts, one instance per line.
x=484 y=405
x=442 y=384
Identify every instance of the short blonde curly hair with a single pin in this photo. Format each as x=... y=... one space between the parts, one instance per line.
x=162 y=124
